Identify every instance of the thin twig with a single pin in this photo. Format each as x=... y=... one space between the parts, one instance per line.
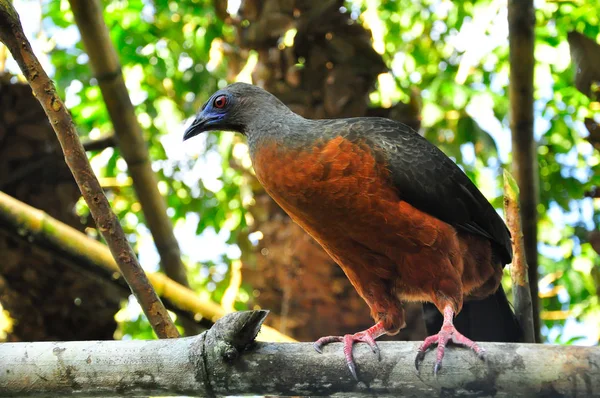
x=518 y=268
x=11 y=33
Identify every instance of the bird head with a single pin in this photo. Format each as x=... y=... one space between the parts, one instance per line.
x=238 y=107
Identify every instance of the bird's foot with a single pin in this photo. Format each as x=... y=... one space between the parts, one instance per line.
x=447 y=333
x=366 y=336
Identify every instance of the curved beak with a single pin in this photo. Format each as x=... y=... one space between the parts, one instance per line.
x=197 y=127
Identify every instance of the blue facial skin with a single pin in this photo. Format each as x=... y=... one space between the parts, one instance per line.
x=211 y=117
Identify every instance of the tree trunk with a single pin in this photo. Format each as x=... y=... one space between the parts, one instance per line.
x=521 y=25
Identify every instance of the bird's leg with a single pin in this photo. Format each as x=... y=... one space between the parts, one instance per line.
x=447 y=333
x=366 y=336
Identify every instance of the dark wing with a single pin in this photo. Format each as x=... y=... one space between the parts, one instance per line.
x=430 y=181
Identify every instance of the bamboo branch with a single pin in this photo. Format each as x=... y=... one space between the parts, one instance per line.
x=518 y=268
x=105 y=65
x=225 y=361
x=40 y=228
x=12 y=35
x=521 y=24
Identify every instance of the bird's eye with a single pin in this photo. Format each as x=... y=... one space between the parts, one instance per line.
x=220 y=102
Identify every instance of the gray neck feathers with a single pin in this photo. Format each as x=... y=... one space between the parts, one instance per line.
x=277 y=124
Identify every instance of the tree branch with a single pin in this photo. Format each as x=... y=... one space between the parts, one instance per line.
x=99 y=144
x=518 y=268
x=12 y=35
x=521 y=24
x=40 y=228
x=105 y=65
x=225 y=361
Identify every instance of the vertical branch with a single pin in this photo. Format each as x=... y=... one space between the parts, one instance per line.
x=518 y=268
x=11 y=33
x=521 y=24
x=105 y=65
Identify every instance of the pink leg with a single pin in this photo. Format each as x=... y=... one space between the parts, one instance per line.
x=447 y=333
x=366 y=336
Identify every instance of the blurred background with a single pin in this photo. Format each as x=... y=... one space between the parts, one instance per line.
x=440 y=66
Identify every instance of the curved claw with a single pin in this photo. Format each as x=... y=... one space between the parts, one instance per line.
x=419 y=358
x=317 y=348
x=352 y=368
x=437 y=367
x=368 y=336
x=318 y=345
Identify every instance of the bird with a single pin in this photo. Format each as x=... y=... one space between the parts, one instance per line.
x=400 y=218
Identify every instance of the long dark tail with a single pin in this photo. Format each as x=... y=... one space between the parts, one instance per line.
x=490 y=319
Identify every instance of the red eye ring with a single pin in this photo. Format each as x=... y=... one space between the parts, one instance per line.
x=220 y=102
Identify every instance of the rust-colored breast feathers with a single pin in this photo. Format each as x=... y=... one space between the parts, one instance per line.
x=336 y=175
